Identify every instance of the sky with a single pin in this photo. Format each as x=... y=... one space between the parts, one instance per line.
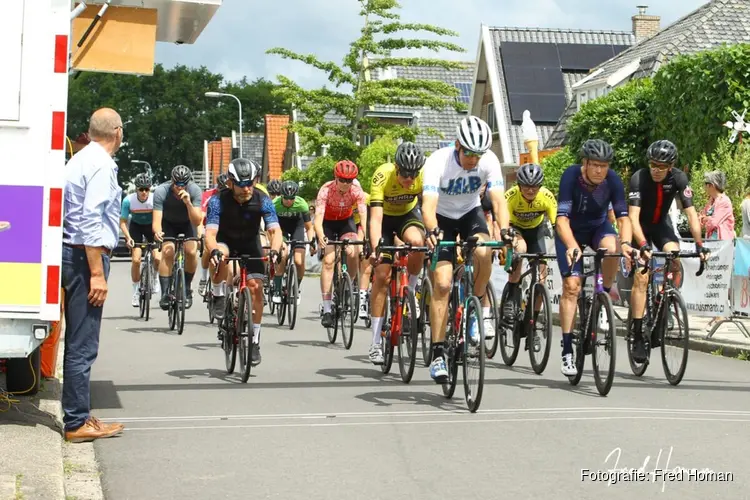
x=235 y=41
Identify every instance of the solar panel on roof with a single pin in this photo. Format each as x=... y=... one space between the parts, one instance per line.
x=535 y=81
x=465 y=92
x=529 y=54
x=583 y=57
x=619 y=48
x=543 y=108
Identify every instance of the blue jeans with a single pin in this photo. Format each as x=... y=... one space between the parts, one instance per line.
x=82 y=324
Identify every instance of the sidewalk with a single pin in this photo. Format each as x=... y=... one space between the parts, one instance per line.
x=35 y=462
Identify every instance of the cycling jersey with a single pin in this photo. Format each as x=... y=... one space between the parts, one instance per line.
x=355 y=210
x=240 y=221
x=528 y=215
x=140 y=212
x=291 y=218
x=173 y=209
x=656 y=198
x=205 y=197
x=458 y=189
x=389 y=194
x=586 y=205
x=335 y=205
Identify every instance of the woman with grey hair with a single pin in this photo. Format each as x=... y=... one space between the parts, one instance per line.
x=717 y=216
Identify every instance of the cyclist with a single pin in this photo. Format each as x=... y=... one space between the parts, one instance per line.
x=177 y=210
x=221 y=184
x=274 y=188
x=528 y=203
x=394 y=211
x=651 y=194
x=333 y=217
x=295 y=222
x=583 y=202
x=139 y=207
x=233 y=226
x=453 y=177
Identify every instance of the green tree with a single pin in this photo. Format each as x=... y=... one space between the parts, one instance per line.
x=624 y=118
x=354 y=92
x=313 y=177
x=554 y=165
x=381 y=150
x=166 y=116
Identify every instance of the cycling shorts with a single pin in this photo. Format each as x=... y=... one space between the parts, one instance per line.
x=471 y=223
x=591 y=238
x=140 y=231
x=534 y=238
x=256 y=269
x=659 y=234
x=173 y=230
x=398 y=224
x=336 y=230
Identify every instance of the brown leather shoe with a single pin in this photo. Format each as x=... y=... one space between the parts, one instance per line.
x=93 y=429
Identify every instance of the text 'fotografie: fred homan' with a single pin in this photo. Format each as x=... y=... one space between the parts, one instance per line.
x=678 y=474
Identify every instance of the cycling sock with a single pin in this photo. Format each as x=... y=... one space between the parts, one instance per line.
x=164 y=284
x=363 y=296
x=567 y=344
x=136 y=284
x=326 y=306
x=437 y=349
x=204 y=273
x=413 y=280
x=486 y=312
x=256 y=334
x=277 y=282
x=218 y=289
x=638 y=326
x=377 y=323
x=188 y=281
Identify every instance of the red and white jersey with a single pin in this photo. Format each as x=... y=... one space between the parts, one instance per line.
x=340 y=206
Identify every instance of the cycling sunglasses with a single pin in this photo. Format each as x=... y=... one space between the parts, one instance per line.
x=244 y=184
x=181 y=184
x=469 y=152
x=289 y=198
x=345 y=181
x=144 y=190
x=408 y=174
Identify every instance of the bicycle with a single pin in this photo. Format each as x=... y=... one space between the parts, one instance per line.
x=424 y=299
x=401 y=309
x=342 y=300
x=145 y=288
x=176 y=291
x=598 y=306
x=464 y=307
x=531 y=304
x=236 y=329
x=289 y=292
x=660 y=318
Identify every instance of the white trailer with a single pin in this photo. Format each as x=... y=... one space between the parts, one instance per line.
x=36 y=37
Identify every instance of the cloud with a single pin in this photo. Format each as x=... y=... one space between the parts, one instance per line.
x=235 y=41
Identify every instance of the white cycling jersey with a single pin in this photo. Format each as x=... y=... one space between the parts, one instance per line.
x=458 y=189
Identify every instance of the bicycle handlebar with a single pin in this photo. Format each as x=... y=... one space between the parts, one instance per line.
x=471 y=243
x=344 y=242
x=181 y=238
x=676 y=254
x=599 y=254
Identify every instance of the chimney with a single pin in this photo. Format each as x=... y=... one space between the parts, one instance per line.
x=645 y=26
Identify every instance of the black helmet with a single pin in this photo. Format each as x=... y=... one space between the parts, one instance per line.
x=181 y=174
x=242 y=169
x=662 y=151
x=530 y=174
x=221 y=181
x=289 y=189
x=142 y=180
x=597 y=150
x=409 y=157
x=274 y=187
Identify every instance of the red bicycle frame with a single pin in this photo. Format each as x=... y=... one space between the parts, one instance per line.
x=399 y=282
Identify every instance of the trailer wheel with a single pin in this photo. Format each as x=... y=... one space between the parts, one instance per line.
x=24 y=376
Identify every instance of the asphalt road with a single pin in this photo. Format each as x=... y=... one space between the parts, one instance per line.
x=318 y=422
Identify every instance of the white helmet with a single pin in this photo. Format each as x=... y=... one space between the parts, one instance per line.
x=474 y=134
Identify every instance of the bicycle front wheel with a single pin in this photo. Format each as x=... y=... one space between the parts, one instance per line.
x=675 y=337
x=603 y=354
x=473 y=354
x=281 y=307
x=385 y=338
x=539 y=338
x=229 y=335
x=245 y=333
x=407 y=341
x=348 y=311
x=180 y=297
x=292 y=295
x=425 y=331
x=637 y=368
x=491 y=344
x=509 y=336
x=145 y=292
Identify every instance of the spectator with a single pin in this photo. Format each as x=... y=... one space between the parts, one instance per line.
x=90 y=232
x=745 y=208
x=717 y=216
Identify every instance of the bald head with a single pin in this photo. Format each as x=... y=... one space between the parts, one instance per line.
x=103 y=124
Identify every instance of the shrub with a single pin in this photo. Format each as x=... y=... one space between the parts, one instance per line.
x=380 y=151
x=554 y=165
x=310 y=180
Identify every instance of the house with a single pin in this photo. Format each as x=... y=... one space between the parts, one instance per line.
x=520 y=69
x=218 y=153
x=715 y=23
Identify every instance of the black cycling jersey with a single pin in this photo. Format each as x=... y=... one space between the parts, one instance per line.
x=656 y=198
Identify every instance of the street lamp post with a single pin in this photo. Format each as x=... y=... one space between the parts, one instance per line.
x=222 y=94
x=148 y=166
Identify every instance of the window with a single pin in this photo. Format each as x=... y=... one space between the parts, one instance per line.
x=465 y=92
x=491 y=118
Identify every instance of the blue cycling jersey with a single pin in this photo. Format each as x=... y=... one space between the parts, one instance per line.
x=586 y=205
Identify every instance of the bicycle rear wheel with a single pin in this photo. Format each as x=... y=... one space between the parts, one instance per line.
x=509 y=337
x=579 y=353
x=180 y=298
x=407 y=341
x=473 y=355
x=452 y=352
x=348 y=311
x=539 y=337
x=333 y=330
x=210 y=305
x=491 y=344
x=292 y=294
x=675 y=339
x=229 y=336
x=245 y=332
x=604 y=348
x=425 y=331
x=281 y=308
x=385 y=338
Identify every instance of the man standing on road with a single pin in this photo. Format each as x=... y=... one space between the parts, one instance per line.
x=90 y=232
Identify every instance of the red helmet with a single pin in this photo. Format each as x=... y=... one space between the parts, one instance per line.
x=346 y=169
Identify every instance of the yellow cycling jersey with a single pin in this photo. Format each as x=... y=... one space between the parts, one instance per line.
x=528 y=215
x=355 y=212
x=389 y=194
x=262 y=187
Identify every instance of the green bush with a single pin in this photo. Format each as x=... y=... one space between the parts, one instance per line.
x=554 y=165
x=311 y=179
x=694 y=95
x=380 y=151
x=624 y=118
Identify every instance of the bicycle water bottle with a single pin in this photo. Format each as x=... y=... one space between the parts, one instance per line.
x=461 y=291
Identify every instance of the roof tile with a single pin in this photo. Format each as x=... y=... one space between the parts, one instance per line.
x=276 y=140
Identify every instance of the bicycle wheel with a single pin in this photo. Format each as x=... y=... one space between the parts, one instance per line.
x=333 y=330
x=473 y=355
x=348 y=311
x=637 y=368
x=385 y=338
x=229 y=337
x=281 y=308
x=210 y=304
x=143 y=287
x=425 y=331
x=407 y=341
x=180 y=300
x=604 y=349
x=509 y=347
x=494 y=320
x=539 y=337
x=172 y=309
x=292 y=294
x=148 y=290
x=674 y=339
x=245 y=332
x=355 y=288
x=579 y=354
x=451 y=351
x=269 y=293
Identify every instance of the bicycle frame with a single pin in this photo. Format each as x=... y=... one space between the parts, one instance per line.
x=534 y=264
